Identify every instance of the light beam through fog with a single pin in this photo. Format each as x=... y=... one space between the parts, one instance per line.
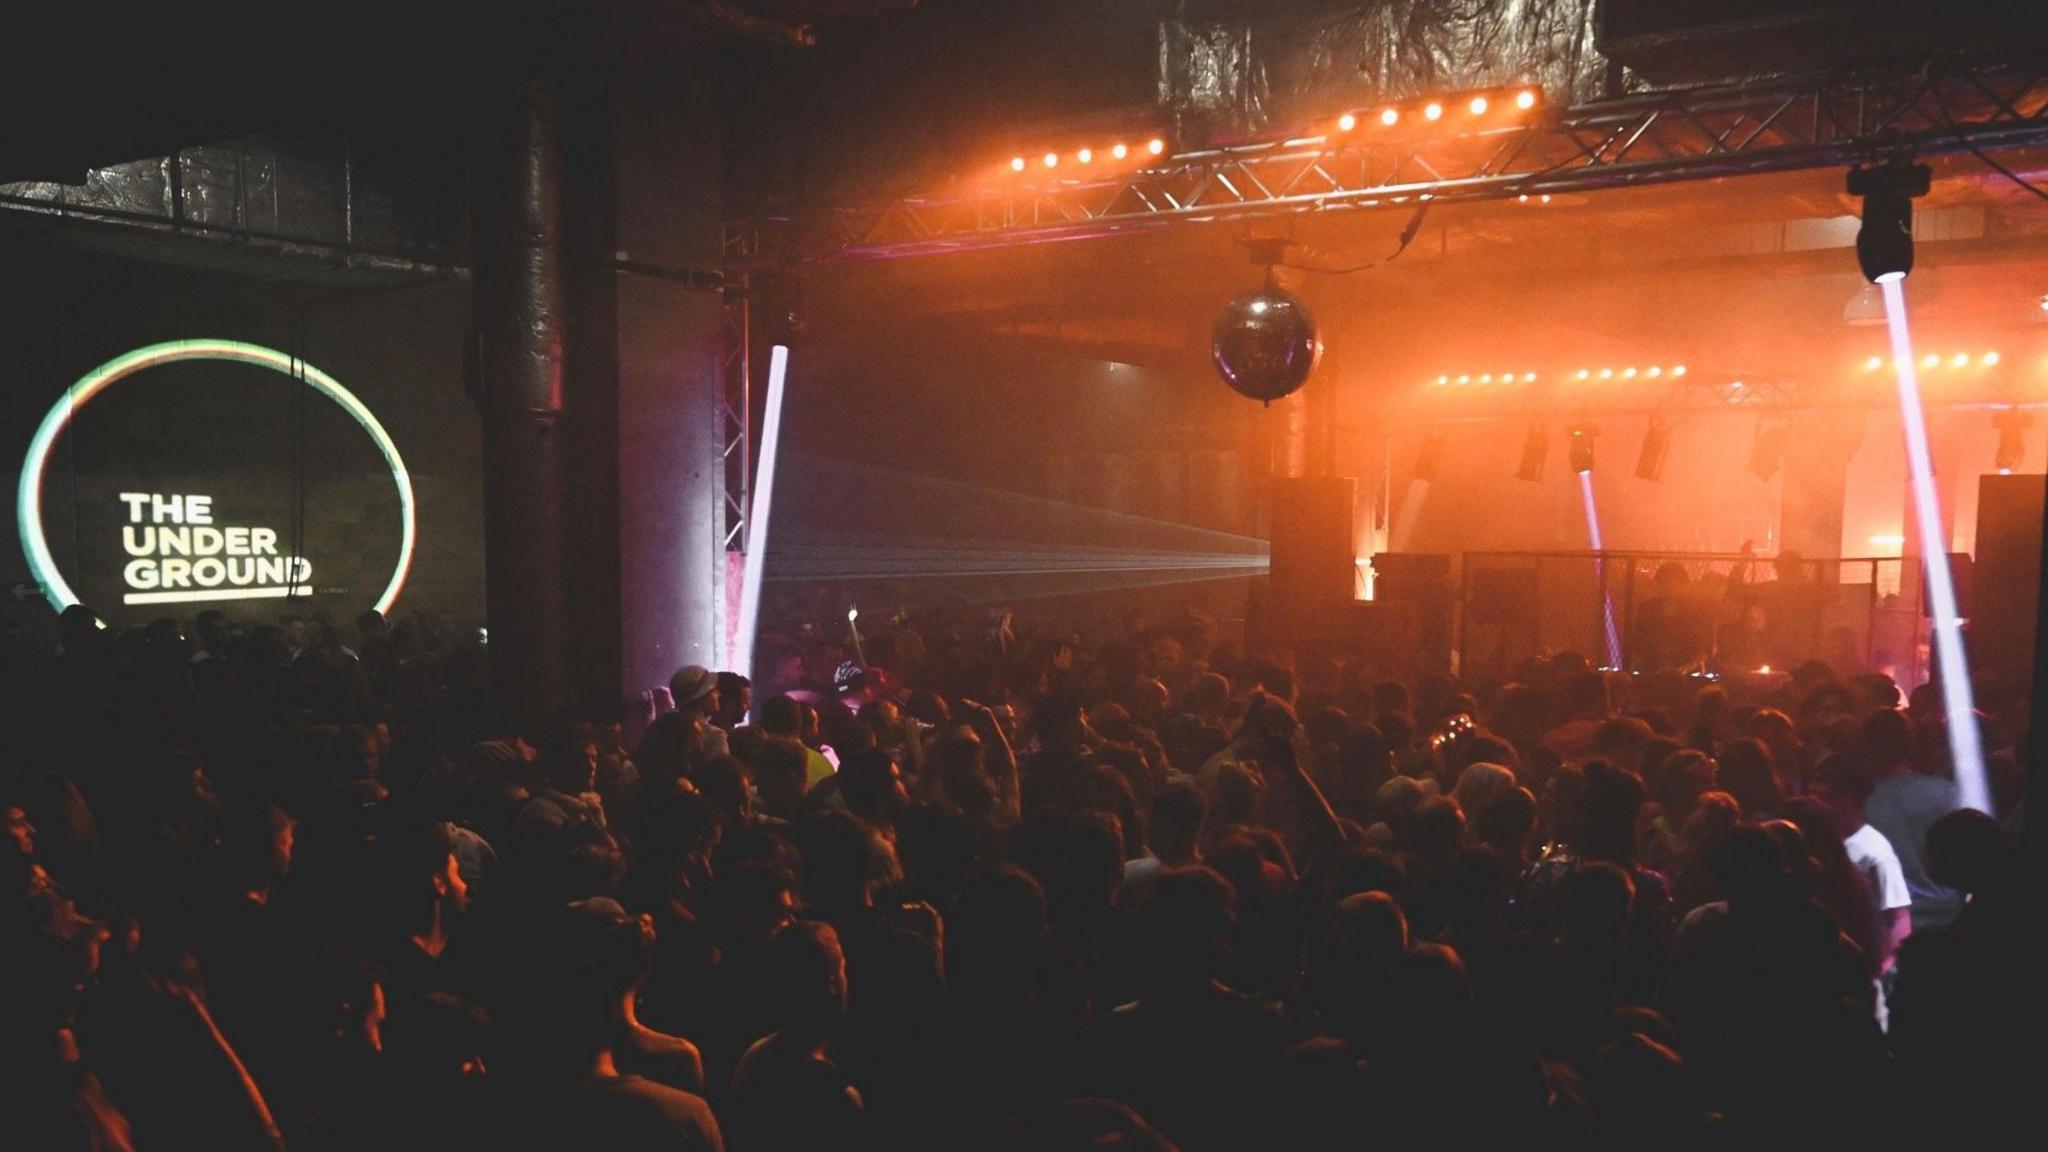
x=757 y=521
x=1965 y=745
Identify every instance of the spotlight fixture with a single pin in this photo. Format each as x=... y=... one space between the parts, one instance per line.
x=2012 y=424
x=1988 y=359
x=1052 y=159
x=1884 y=244
x=1959 y=360
x=1478 y=105
x=1390 y=117
x=1085 y=156
x=1016 y=163
x=1120 y=151
x=1155 y=146
x=1432 y=111
x=1346 y=122
x=1767 y=455
x=1656 y=446
x=1535 y=446
x=1580 y=451
x=1525 y=99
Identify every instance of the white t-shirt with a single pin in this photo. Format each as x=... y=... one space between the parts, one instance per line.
x=1872 y=855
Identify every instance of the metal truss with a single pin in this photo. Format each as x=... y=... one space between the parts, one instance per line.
x=735 y=407
x=1824 y=120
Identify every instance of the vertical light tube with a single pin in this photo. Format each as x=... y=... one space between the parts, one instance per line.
x=757 y=519
x=1612 y=634
x=1965 y=745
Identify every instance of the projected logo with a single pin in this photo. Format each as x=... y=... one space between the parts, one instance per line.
x=201 y=481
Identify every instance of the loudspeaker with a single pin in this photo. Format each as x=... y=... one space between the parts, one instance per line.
x=1312 y=558
x=2008 y=567
x=1312 y=568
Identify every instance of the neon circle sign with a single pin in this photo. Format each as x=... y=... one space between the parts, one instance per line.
x=29 y=496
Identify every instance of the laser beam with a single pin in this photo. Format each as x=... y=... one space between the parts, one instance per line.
x=1612 y=634
x=1965 y=744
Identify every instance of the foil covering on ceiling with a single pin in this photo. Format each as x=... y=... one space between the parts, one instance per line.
x=298 y=191
x=1235 y=69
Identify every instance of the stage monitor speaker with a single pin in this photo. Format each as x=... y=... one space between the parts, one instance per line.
x=1416 y=576
x=1313 y=565
x=2008 y=568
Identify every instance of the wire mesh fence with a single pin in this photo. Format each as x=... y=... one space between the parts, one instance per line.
x=1677 y=611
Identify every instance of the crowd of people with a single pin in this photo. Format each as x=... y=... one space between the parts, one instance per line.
x=961 y=884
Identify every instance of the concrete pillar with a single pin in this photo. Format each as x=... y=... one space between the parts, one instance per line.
x=519 y=321
x=671 y=479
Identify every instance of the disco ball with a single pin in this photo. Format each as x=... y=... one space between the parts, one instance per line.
x=1265 y=344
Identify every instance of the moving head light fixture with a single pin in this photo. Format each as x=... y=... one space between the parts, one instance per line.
x=1884 y=244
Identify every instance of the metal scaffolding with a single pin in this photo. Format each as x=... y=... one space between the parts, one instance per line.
x=1830 y=119
x=735 y=409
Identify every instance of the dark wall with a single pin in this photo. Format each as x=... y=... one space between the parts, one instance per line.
x=271 y=454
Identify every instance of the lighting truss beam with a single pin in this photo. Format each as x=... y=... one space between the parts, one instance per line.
x=1687 y=134
x=735 y=409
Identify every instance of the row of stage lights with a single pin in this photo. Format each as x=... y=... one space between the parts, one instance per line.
x=1492 y=103
x=1934 y=360
x=1653 y=372
x=1156 y=146
x=1462 y=111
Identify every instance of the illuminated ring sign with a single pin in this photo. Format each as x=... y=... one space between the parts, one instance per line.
x=29 y=498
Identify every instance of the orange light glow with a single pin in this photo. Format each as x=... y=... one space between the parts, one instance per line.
x=1085 y=156
x=1873 y=364
x=1346 y=122
x=1120 y=151
x=1960 y=360
x=1016 y=163
x=1479 y=105
x=1432 y=111
x=1988 y=359
x=1678 y=371
x=1155 y=146
x=1525 y=99
x=1607 y=373
x=1052 y=159
x=1389 y=117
